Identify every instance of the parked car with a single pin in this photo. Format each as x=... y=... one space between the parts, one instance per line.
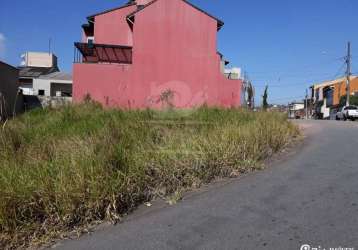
x=347 y=112
x=300 y=114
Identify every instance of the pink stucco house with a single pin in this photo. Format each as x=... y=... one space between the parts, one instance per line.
x=132 y=55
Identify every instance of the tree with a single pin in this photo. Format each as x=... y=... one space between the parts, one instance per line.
x=353 y=100
x=264 y=98
x=250 y=95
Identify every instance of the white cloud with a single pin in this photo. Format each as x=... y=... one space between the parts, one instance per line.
x=2 y=45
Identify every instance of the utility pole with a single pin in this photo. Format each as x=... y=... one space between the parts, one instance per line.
x=348 y=61
x=253 y=95
x=306 y=102
x=49 y=46
x=246 y=88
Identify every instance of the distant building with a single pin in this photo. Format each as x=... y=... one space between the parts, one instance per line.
x=296 y=110
x=10 y=99
x=223 y=62
x=278 y=108
x=40 y=76
x=326 y=96
x=56 y=84
x=233 y=73
x=39 y=60
x=32 y=66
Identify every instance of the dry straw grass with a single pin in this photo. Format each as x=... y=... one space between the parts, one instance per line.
x=67 y=168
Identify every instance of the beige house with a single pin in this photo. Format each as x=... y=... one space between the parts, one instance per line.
x=40 y=76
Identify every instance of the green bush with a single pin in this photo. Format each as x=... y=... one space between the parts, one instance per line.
x=62 y=169
x=353 y=100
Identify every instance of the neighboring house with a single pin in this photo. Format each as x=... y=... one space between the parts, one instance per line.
x=40 y=76
x=278 y=108
x=57 y=84
x=326 y=96
x=296 y=110
x=131 y=55
x=233 y=73
x=34 y=65
x=223 y=62
x=10 y=98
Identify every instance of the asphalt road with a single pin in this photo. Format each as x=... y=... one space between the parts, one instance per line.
x=310 y=197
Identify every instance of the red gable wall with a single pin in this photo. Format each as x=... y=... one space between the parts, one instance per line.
x=179 y=44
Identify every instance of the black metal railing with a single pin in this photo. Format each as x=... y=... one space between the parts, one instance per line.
x=102 y=53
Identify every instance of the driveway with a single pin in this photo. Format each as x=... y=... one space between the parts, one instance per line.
x=311 y=197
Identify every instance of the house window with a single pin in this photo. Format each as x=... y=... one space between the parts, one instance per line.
x=61 y=89
x=41 y=92
x=90 y=40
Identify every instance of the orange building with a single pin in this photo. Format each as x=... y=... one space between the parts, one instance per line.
x=327 y=95
x=337 y=89
x=340 y=89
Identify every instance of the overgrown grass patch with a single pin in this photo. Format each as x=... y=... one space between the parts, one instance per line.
x=61 y=169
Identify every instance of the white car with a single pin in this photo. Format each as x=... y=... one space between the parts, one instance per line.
x=347 y=112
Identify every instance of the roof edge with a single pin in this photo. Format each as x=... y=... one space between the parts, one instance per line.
x=130 y=15
x=110 y=10
x=59 y=75
x=220 y=22
x=331 y=82
x=2 y=62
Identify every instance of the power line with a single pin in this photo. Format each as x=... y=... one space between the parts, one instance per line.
x=284 y=85
x=295 y=74
x=287 y=98
x=284 y=76
x=312 y=73
x=304 y=67
x=339 y=71
x=280 y=85
x=303 y=84
x=306 y=79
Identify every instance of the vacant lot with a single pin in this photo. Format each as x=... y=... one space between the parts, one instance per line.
x=64 y=169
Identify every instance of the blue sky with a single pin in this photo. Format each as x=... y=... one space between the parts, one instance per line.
x=285 y=44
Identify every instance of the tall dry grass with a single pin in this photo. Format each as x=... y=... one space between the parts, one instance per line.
x=61 y=169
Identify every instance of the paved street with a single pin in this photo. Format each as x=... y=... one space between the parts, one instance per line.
x=309 y=197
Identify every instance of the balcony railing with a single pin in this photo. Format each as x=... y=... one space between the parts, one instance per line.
x=102 y=53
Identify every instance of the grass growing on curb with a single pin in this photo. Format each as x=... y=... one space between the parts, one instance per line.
x=65 y=168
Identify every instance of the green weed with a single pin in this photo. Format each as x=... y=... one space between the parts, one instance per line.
x=63 y=169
